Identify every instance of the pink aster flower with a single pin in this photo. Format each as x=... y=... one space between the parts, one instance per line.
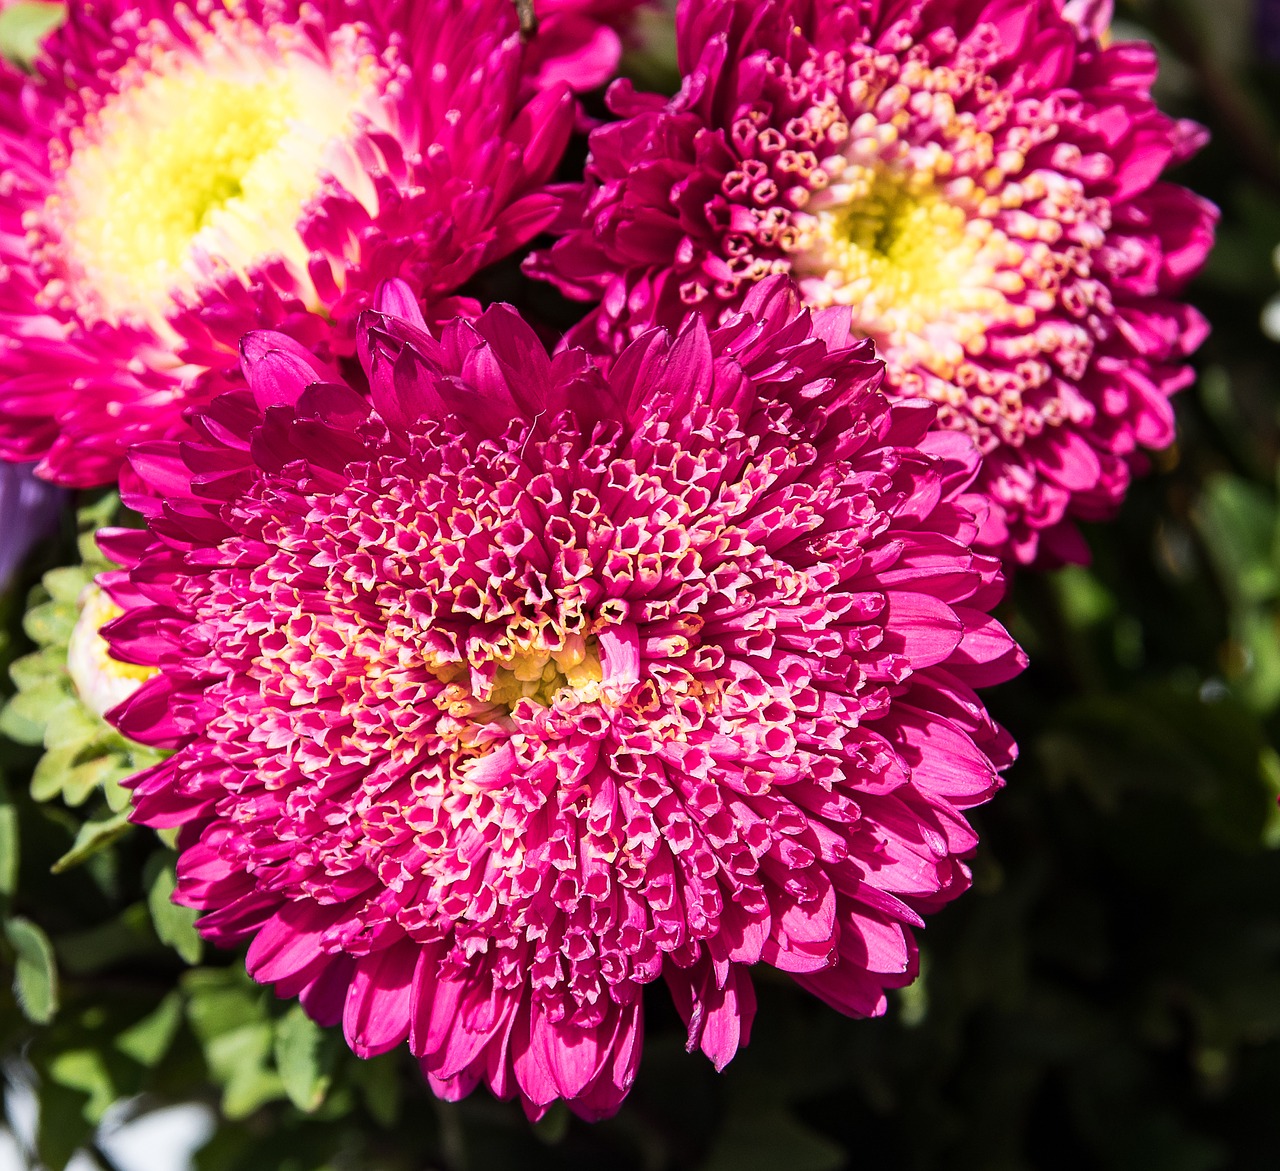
x=976 y=179
x=526 y=683
x=174 y=176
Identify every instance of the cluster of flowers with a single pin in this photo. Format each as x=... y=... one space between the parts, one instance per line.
x=502 y=674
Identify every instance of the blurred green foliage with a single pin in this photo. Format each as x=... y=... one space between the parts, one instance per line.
x=1107 y=996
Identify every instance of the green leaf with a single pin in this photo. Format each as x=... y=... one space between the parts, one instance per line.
x=72 y=725
x=63 y=773
x=93 y=836
x=149 y=1040
x=218 y=999
x=89 y=777
x=238 y=1060
x=1259 y=634
x=227 y=1015
x=1160 y=739
x=175 y=925
x=119 y=800
x=24 y=25
x=66 y=583
x=26 y=715
x=35 y=977
x=553 y=1125
x=913 y=1000
x=86 y=1070
x=45 y=667
x=8 y=845
x=304 y=1056
x=1269 y=763
x=101 y=513
x=51 y=623
x=1085 y=601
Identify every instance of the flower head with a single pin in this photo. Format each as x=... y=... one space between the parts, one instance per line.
x=526 y=683
x=174 y=176
x=978 y=181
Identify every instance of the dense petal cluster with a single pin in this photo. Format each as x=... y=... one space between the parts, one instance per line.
x=528 y=681
x=977 y=179
x=173 y=176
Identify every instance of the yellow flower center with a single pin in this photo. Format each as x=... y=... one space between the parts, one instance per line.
x=197 y=168
x=906 y=247
x=540 y=673
x=921 y=274
x=100 y=681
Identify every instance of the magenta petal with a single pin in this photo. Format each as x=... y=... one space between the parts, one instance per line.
x=944 y=761
x=397 y=299
x=326 y=995
x=162 y=468
x=262 y=343
x=525 y=366
x=729 y=1015
x=146 y=716
x=289 y=941
x=452 y=1089
x=922 y=628
x=534 y=1076
x=848 y=991
x=436 y=170
x=376 y=1015
x=987 y=654
x=620 y=658
x=572 y=1056
x=603 y=1097
x=277 y=376
x=877 y=945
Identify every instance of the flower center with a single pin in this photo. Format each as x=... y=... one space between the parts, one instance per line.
x=192 y=171
x=541 y=673
x=901 y=242
x=921 y=274
x=100 y=681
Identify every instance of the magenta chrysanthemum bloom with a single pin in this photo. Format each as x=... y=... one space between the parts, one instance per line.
x=976 y=179
x=527 y=683
x=175 y=176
